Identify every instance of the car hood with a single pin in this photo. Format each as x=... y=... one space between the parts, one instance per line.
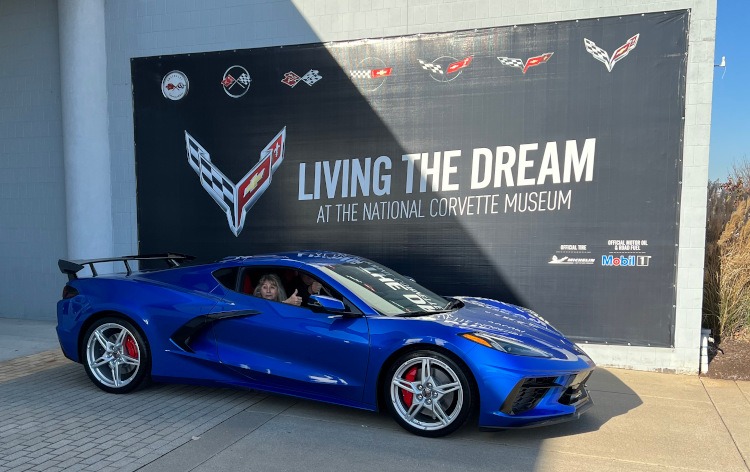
x=512 y=322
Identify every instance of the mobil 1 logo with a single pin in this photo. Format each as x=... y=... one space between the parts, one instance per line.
x=609 y=260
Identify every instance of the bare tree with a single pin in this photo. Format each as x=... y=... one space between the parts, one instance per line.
x=740 y=175
x=726 y=289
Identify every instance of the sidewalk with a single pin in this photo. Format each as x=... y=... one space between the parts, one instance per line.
x=20 y=338
x=53 y=418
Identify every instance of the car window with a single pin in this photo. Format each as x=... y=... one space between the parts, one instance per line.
x=384 y=290
x=227 y=277
x=246 y=280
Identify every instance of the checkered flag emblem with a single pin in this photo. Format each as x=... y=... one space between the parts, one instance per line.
x=237 y=199
x=601 y=55
x=291 y=79
x=371 y=73
x=311 y=77
x=530 y=62
x=511 y=61
x=598 y=53
x=236 y=81
x=432 y=68
x=245 y=79
x=359 y=74
x=212 y=179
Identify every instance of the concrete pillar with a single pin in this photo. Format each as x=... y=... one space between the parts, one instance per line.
x=85 y=127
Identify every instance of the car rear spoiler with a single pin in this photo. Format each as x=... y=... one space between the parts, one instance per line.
x=71 y=268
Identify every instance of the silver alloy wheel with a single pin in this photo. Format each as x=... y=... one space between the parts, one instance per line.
x=113 y=355
x=433 y=399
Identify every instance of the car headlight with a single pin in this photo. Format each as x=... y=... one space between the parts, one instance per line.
x=504 y=344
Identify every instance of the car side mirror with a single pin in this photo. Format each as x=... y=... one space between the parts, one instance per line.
x=325 y=303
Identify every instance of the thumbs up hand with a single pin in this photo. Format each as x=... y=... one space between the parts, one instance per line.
x=294 y=299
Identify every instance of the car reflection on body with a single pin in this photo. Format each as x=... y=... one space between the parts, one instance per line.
x=367 y=338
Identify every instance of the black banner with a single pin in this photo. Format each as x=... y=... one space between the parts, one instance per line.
x=535 y=164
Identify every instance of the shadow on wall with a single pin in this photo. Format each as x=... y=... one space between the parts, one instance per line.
x=336 y=122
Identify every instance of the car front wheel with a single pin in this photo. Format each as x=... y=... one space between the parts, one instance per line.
x=115 y=355
x=428 y=393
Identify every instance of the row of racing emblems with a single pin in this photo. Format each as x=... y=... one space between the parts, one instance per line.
x=372 y=72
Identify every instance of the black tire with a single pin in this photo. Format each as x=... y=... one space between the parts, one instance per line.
x=428 y=393
x=115 y=355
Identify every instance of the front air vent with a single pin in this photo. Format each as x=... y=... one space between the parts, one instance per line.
x=527 y=394
x=575 y=393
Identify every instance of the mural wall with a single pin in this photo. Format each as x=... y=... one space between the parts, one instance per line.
x=536 y=164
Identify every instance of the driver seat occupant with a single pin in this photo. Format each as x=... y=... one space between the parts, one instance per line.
x=270 y=288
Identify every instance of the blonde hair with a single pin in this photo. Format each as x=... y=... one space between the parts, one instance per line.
x=275 y=280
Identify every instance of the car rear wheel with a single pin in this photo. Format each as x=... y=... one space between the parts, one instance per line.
x=115 y=355
x=428 y=393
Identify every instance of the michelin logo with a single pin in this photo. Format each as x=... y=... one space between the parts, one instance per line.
x=571 y=260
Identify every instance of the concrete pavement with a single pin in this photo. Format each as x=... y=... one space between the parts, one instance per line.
x=20 y=338
x=53 y=418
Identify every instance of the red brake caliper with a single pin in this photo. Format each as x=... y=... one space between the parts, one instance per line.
x=410 y=376
x=131 y=348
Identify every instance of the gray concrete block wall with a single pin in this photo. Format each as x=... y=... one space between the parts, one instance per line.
x=162 y=27
x=32 y=191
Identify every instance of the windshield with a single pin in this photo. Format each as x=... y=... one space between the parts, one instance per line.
x=389 y=293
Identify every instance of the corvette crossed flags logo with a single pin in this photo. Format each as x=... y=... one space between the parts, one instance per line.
x=236 y=200
x=524 y=66
x=601 y=55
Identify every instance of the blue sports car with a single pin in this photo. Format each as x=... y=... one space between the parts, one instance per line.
x=324 y=326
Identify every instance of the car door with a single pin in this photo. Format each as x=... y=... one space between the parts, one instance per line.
x=293 y=349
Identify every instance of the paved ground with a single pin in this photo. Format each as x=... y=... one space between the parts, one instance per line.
x=53 y=418
x=20 y=338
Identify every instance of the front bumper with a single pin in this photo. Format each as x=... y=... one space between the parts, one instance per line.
x=534 y=400
x=546 y=422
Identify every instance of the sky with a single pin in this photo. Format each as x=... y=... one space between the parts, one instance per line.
x=730 y=114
